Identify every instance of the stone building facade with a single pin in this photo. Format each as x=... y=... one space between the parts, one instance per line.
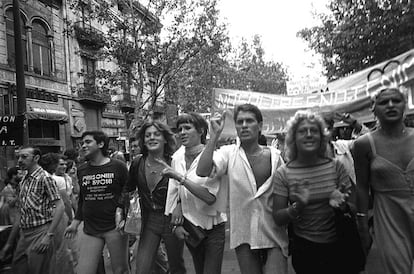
x=62 y=99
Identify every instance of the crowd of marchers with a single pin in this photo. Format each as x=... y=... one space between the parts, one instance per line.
x=320 y=200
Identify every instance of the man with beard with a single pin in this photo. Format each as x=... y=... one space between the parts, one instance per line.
x=100 y=206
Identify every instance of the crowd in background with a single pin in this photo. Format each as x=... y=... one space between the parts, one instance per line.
x=285 y=199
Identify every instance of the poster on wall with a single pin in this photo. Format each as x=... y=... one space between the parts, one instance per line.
x=11 y=130
x=351 y=94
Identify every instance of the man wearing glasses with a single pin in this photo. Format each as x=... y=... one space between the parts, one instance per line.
x=41 y=210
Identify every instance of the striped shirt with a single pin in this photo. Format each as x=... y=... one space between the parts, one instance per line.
x=316 y=222
x=37 y=192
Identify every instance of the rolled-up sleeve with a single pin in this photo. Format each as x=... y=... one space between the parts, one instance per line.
x=221 y=160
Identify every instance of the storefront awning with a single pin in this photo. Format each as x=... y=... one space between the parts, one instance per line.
x=46 y=111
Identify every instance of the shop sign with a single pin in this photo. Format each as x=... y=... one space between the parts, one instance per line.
x=11 y=130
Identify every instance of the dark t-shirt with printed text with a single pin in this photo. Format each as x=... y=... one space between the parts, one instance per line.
x=100 y=195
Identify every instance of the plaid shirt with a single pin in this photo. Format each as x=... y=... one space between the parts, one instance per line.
x=37 y=192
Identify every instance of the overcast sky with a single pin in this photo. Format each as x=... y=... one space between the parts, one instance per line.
x=277 y=22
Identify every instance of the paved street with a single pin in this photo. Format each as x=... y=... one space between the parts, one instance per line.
x=230 y=265
x=229 y=261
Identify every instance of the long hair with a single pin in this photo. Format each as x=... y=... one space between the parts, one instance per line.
x=292 y=126
x=169 y=147
x=197 y=121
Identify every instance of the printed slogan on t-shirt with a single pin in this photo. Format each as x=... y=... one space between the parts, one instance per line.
x=97 y=186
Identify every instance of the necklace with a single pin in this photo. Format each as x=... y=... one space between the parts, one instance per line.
x=153 y=168
x=191 y=153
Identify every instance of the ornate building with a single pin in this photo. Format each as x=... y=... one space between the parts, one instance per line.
x=60 y=59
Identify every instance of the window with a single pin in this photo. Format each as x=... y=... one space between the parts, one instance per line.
x=43 y=129
x=6 y=102
x=89 y=70
x=11 y=53
x=41 y=50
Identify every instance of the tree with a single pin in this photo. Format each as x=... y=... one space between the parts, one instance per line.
x=221 y=66
x=145 y=50
x=191 y=87
x=357 y=34
x=248 y=70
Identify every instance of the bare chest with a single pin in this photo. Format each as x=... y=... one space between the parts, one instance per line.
x=261 y=167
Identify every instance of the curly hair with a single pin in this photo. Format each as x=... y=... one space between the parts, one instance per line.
x=169 y=147
x=292 y=126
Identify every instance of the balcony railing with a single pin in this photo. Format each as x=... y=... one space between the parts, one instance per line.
x=90 y=93
x=127 y=104
x=89 y=37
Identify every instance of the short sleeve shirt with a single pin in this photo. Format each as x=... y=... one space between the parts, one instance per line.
x=37 y=192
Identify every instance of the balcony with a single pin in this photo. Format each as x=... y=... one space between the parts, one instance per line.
x=88 y=37
x=91 y=94
x=126 y=104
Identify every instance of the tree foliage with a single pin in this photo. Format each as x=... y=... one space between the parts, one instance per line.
x=357 y=34
x=248 y=70
x=223 y=66
x=185 y=58
x=141 y=47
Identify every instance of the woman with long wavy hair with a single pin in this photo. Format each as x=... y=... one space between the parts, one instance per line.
x=307 y=188
x=156 y=142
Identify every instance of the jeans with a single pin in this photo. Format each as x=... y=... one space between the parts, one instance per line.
x=261 y=261
x=156 y=227
x=92 y=247
x=25 y=260
x=311 y=257
x=208 y=255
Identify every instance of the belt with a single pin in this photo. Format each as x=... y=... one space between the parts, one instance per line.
x=32 y=229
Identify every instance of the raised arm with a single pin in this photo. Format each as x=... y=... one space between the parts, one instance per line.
x=205 y=165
